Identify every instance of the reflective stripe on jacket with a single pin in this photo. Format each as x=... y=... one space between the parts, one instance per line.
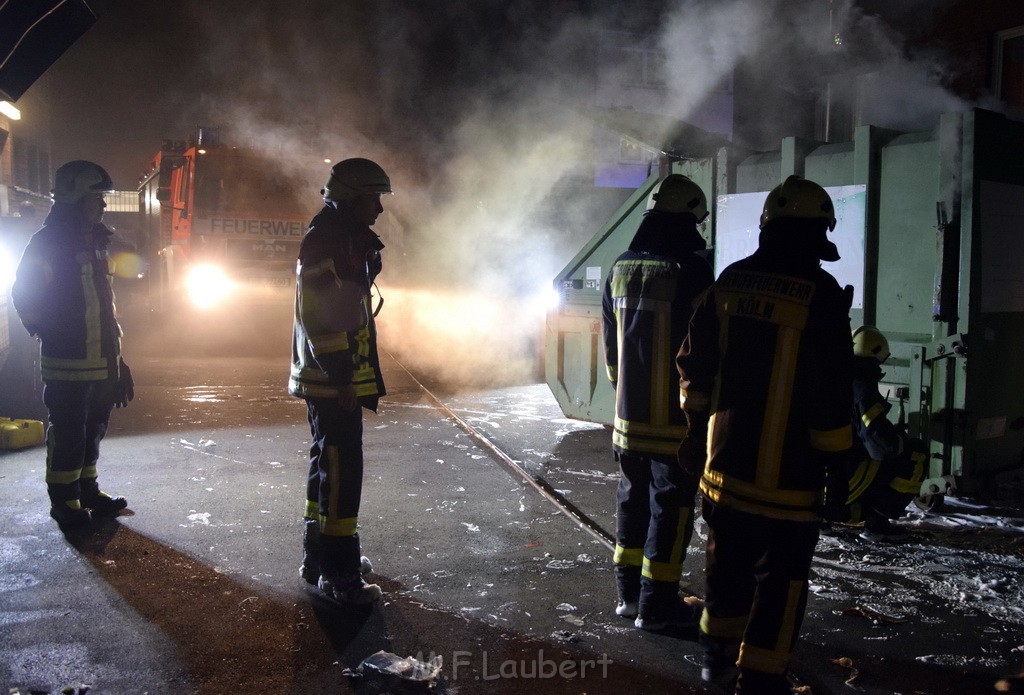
x=647 y=304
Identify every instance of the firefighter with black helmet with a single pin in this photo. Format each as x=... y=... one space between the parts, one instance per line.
x=335 y=368
x=888 y=465
x=63 y=294
x=648 y=299
x=765 y=382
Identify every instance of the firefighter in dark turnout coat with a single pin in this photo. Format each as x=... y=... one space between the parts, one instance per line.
x=64 y=296
x=766 y=386
x=335 y=368
x=888 y=465
x=648 y=300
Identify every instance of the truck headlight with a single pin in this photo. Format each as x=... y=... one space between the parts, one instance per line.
x=207 y=286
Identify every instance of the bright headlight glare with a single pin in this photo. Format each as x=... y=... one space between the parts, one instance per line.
x=207 y=285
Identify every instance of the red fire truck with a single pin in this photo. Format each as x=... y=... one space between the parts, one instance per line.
x=221 y=226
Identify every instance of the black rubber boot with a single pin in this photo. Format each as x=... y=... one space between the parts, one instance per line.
x=100 y=502
x=341 y=572
x=719 y=667
x=627 y=582
x=69 y=514
x=310 y=568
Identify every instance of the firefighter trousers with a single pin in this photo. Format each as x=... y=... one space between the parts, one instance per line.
x=77 y=413
x=886 y=487
x=756 y=580
x=335 y=483
x=653 y=524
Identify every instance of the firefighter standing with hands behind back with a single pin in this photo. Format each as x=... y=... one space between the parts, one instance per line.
x=335 y=368
x=766 y=381
x=647 y=304
x=64 y=296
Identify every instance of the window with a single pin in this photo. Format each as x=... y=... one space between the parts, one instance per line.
x=1008 y=72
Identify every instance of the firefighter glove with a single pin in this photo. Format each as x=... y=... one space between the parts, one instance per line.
x=125 y=389
x=692 y=451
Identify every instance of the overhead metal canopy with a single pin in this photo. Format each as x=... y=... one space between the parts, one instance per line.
x=33 y=35
x=669 y=136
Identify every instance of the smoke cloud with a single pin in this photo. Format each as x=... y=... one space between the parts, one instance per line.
x=474 y=108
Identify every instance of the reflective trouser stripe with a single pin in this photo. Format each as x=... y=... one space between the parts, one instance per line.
x=730 y=628
x=338 y=527
x=628 y=556
x=775 y=660
x=673 y=569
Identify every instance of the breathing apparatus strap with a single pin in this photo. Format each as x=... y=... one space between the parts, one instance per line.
x=380 y=302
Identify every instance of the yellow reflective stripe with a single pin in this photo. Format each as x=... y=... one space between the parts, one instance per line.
x=662 y=356
x=312 y=510
x=775 y=504
x=73 y=504
x=78 y=375
x=662 y=571
x=329 y=342
x=93 y=338
x=647 y=429
x=613 y=372
x=628 y=556
x=776 y=659
x=777 y=406
x=324 y=267
x=338 y=527
x=911 y=485
x=869 y=416
x=646 y=446
x=63 y=477
x=731 y=628
x=89 y=472
x=839 y=439
x=694 y=401
x=862 y=478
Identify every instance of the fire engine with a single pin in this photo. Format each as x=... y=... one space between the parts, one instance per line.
x=221 y=226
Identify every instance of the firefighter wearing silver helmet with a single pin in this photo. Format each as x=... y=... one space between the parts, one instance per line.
x=766 y=384
x=647 y=302
x=336 y=370
x=64 y=297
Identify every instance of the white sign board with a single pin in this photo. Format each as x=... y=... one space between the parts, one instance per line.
x=739 y=214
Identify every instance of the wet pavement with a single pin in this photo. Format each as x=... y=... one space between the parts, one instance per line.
x=195 y=589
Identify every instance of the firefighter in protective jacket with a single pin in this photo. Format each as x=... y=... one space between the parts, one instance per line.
x=335 y=368
x=888 y=465
x=766 y=386
x=63 y=294
x=648 y=300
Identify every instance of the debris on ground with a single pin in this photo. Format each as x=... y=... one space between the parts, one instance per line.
x=385 y=672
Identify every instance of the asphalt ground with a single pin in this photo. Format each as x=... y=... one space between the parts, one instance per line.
x=194 y=588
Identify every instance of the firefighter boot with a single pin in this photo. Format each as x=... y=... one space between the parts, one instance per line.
x=662 y=609
x=341 y=572
x=627 y=581
x=719 y=666
x=65 y=506
x=98 y=501
x=69 y=514
x=309 y=570
x=751 y=682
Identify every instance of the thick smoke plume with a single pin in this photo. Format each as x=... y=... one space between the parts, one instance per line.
x=474 y=108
